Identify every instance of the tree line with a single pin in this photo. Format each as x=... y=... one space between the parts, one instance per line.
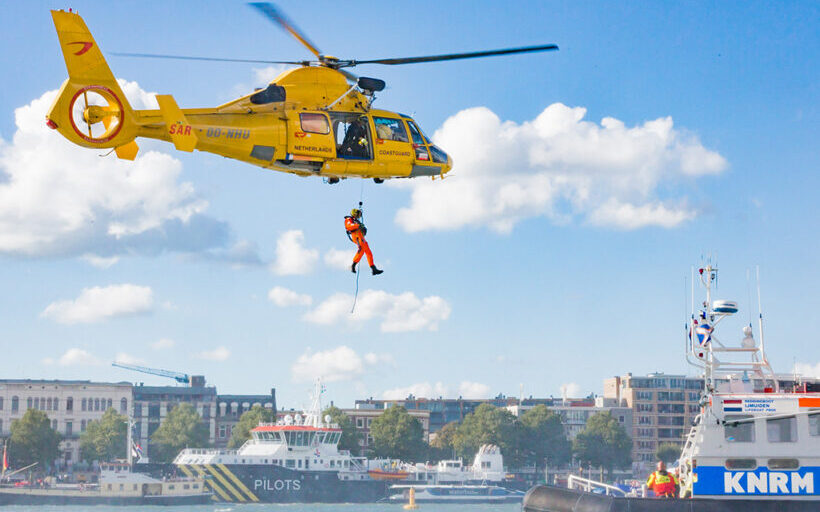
x=536 y=438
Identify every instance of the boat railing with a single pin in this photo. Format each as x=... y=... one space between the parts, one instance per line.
x=589 y=485
x=205 y=451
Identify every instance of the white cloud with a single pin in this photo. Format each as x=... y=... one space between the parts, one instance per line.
x=341 y=363
x=419 y=390
x=217 y=354
x=469 y=389
x=74 y=357
x=292 y=257
x=124 y=358
x=571 y=390
x=398 y=313
x=163 y=343
x=58 y=199
x=339 y=258
x=375 y=359
x=561 y=167
x=807 y=370
x=283 y=297
x=99 y=303
x=99 y=261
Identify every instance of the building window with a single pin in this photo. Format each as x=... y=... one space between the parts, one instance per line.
x=110 y=404
x=124 y=406
x=222 y=431
x=1 y=427
x=96 y=404
x=37 y=403
x=29 y=403
x=1 y=403
x=782 y=430
x=360 y=422
x=69 y=428
x=84 y=404
x=69 y=404
x=206 y=412
x=56 y=404
x=138 y=410
x=15 y=404
x=82 y=426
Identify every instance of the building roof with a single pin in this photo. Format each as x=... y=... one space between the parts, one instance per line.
x=58 y=382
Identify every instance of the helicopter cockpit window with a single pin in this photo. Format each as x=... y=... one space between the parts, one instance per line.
x=314 y=123
x=270 y=94
x=390 y=129
x=416 y=134
x=439 y=156
x=352 y=135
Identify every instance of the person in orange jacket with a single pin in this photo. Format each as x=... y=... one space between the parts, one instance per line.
x=663 y=483
x=356 y=231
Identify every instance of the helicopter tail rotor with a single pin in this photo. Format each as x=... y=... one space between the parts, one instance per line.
x=90 y=110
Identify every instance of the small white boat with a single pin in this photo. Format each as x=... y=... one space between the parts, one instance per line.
x=455 y=494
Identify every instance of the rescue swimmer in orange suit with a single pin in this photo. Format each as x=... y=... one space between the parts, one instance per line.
x=356 y=231
x=663 y=483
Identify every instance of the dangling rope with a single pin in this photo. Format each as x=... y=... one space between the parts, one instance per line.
x=358 y=268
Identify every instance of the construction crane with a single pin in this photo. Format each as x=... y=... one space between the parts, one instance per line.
x=182 y=378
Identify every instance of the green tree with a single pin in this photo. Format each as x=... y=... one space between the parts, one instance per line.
x=105 y=438
x=398 y=435
x=603 y=443
x=490 y=425
x=442 y=446
x=182 y=428
x=33 y=440
x=668 y=452
x=350 y=436
x=544 y=438
x=249 y=420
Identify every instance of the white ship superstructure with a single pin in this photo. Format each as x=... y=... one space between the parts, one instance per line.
x=751 y=438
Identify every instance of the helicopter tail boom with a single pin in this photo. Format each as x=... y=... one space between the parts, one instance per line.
x=91 y=109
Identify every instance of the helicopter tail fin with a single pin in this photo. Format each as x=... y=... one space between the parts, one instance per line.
x=182 y=134
x=91 y=109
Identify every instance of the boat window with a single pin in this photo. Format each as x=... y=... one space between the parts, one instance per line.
x=739 y=432
x=290 y=463
x=332 y=463
x=320 y=437
x=390 y=129
x=782 y=430
x=814 y=424
x=300 y=463
x=415 y=133
x=741 y=464
x=783 y=464
x=314 y=123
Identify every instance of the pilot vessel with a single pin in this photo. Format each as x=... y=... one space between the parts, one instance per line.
x=295 y=460
x=754 y=445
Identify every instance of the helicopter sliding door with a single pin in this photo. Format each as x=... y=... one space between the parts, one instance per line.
x=309 y=136
x=393 y=151
x=425 y=154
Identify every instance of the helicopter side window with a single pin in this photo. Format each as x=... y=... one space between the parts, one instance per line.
x=390 y=129
x=314 y=123
x=352 y=135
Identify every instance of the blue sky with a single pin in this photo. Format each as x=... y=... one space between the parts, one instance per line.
x=591 y=179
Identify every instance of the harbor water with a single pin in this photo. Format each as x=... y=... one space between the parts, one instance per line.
x=266 y=507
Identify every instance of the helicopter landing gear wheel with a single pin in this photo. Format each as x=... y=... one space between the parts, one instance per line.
x=378 y=180
x=332 y=181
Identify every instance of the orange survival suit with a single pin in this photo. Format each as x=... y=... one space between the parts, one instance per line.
x=663 y=483
x=356 y=231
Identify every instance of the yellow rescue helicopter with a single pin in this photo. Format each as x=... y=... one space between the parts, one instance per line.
x=313 y=120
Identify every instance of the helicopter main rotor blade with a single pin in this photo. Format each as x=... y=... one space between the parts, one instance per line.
x=452 y=56
x=276 y=16
x=212 y=59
